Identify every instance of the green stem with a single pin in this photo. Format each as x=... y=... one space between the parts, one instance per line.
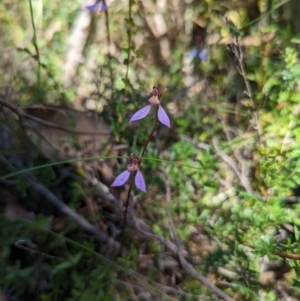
x=108 y=41
x=129 y=38
x=35 y=44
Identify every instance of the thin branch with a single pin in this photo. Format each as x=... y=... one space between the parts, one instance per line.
x=236 y=49
x=22 y=115
x=35 y=44
x=18 y=244
x=192 y=271
x=171 y=223
x=129 y=37
x=243 y=179
x=177 y=252
x=52 y=198
x=108 y=41
x=167 y=289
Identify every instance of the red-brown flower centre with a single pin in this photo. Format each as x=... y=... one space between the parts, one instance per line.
x=154 y=100
x=134 y=165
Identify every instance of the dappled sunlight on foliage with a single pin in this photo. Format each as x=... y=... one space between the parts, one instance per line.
x=188 y=191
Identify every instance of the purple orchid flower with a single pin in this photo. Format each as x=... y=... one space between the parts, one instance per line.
x=202 y=54
x=95 y=6
x=154 y=100
x=124 y=176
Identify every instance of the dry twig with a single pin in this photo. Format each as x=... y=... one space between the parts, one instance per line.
x=177 y=253
x=51 y=197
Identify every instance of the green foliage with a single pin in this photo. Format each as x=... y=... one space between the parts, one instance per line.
x=291 y=73
x=233 y=186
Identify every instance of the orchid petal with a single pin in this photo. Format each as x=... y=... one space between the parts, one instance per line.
x=203 y=55
x=121 y=178
x=95 y=6
x=92 y=7
x=104 y=6
x=163 y=117
x=193 y=53
x=139 y=181
x=140 y=114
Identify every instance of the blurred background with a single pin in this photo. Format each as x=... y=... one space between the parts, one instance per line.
x=222 y=182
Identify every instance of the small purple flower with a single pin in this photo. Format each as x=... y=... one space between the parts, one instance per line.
x=124 y=176
x=202 y=54
x=96 y=6
x=154 y=100
x=193 y=53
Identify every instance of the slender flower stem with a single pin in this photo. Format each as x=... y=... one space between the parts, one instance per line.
x=128 y=197
x=152 y=133
x=133 y=176
x=126 y=209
